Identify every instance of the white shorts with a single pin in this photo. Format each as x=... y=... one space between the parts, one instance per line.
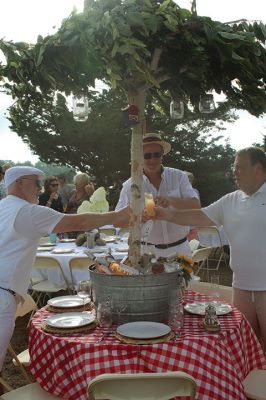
x=7 y=324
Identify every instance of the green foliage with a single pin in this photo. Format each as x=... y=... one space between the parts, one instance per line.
x=115 y=41
x=100 y=146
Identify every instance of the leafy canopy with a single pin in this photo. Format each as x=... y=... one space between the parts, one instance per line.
x=116 y=41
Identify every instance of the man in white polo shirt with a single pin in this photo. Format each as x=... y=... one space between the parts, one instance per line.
x=23 y=223
x=243 y=216
x=168 y=238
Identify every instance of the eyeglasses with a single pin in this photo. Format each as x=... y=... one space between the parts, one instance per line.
x=148 y=156
x=37 y=182
x=53 y=184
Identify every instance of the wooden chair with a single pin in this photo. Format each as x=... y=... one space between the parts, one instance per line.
x=142 y=386
x=225 y=292
x=255 y=384
x=78 y=263
x=46 y=287
x=33 y=391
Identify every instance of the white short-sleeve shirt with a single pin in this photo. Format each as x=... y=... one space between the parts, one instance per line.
x=174 y=183
x=244 y=220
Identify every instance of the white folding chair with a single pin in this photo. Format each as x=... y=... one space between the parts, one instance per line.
x=22 y=359
x=225 y=292
x=33 y=391
x=78 y=263
x=46 y=287
x=193 y=244
x=200 y=258
x=255 y=384
x=142 y=386
x=215 y=241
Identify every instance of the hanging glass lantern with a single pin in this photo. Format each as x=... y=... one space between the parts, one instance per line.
x=206 y=104
x=80 y=108
x=176 y=109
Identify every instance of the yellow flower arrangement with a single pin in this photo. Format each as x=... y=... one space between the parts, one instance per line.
x=187 y=265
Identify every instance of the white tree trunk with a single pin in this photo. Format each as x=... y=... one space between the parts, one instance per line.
x=136 y=180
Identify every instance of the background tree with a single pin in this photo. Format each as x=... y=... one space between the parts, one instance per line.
x=138 y=46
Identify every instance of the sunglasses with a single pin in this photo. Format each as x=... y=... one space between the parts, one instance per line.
x=37 y=182
x=148 y=156
x=53 y=184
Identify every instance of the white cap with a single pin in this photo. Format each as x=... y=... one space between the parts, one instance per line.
x=14 y=173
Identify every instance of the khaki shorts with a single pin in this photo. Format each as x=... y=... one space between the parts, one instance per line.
x=253 y=305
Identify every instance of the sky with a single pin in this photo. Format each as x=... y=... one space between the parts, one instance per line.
x=24 y=20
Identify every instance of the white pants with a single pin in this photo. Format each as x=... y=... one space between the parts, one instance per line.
x=7 y=322
x=253 y=306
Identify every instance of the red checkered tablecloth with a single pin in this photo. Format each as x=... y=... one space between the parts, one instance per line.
x=64 y=365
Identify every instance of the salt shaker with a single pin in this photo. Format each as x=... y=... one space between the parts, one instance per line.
x=211 y=322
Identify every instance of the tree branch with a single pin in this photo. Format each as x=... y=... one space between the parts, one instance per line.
x=155 y=59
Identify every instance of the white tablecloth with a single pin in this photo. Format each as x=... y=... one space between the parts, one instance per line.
x=118 y=251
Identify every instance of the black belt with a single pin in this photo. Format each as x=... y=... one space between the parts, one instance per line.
x=165 y=246
x=9 y=290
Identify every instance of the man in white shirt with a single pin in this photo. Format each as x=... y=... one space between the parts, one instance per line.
x=168 y=238
x=23 y=223
x=243 y=216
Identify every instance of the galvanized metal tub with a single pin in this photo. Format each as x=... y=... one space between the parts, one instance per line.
x=140 y=297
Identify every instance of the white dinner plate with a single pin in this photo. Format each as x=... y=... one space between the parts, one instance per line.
x=96 y=250
x=66 y=240
x=67 y=301
x=143 y=330
x=70 y=320
x=122 y=249
x=41 y=248
x=62 y=251
x=199 y=307
x=109 y=239
x=48 y=244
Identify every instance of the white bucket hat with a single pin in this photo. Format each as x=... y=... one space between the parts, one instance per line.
x=155 y=138
x=14 y=173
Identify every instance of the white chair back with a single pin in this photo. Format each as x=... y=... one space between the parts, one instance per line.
x=78 y=263
x=27 y=306
x=254 y=384
x=193 y=244
x=142 y=386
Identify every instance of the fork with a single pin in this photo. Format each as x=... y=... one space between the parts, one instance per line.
x=108 y=333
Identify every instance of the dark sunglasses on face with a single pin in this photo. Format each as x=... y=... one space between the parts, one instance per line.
x=37 y=182
x=54 y=184
x=148 y=156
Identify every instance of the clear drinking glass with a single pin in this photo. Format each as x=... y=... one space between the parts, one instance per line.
x=104 y=314
x=84 y=291
x=215 y=282
x=175 y=312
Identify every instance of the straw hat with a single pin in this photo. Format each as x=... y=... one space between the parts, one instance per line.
x=155 y=138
